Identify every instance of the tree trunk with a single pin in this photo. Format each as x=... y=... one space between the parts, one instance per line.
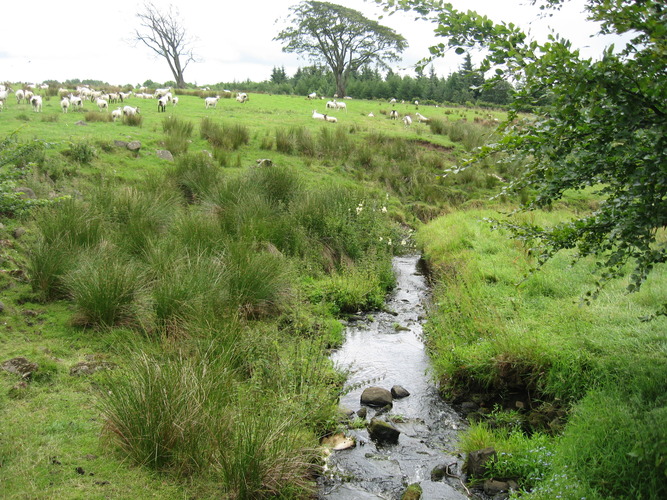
x=340 y=85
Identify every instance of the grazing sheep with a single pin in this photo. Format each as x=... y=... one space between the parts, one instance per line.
x=421 y=118
x=114 y=97
x=36 y=102
x=130 y=111
x=75 y=101
x=161 y=92
x=211 y=102
x=341 y=105
x=347 y=97
x=63 y=92
x=116 y=113
x=312 y=96
x=64 y=104
x=174 y=101
x=371 y=115
x=124 y=95
x=242 y=97
x=20 y=95
x=407 y=121
x=102 y=104
x=331 y=104
x=393 y=115
x=162 y=104
x=392 y=101
x=416 y=103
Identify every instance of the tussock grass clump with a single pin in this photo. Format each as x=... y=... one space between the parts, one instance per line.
x=97 y=116
x=48 y=263
x=81 y=152
x=105 y=289
x=178 y=133
x=52 y=118
x=235 y=135
x=195 y=174
x=135 y=120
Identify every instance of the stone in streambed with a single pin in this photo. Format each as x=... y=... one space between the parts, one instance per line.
x=376 y=396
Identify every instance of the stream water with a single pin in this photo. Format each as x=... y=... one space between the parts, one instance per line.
x=386 y=349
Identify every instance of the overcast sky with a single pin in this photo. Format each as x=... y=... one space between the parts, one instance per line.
x=81 y=39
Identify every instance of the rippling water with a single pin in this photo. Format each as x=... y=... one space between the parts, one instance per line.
x=384 y=350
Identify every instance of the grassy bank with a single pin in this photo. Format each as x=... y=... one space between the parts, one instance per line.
x=571 y=395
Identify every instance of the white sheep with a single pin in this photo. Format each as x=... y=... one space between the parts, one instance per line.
x=2 y=105
x=28 y=95
x=331 y=104
x=75 y=101
x=64 y=104
x=102 y=104
x=312 y=95
x=36 y=102
x=330 y=119
x=242 y=97
x=407 y=121
x=174 y=101
x=162 y=104
x=130 y=111
x=371 y=115
x=161 y=92
x=116 y=113
x=393 y=115
x=211 y=102
x=347 y=97
x=318 y=116
x=341 y=105
x=421 y=118
x=124 y=95
x=392 y=101
x=20 y=94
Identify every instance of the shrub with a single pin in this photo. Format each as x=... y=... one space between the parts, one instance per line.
x=195 y=174
x=81 y=152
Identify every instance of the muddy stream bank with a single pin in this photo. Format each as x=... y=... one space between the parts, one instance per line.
x=386 y=349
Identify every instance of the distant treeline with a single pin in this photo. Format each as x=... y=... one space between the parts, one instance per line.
x=461 y=87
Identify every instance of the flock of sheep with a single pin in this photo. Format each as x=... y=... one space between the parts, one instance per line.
x=164 y=96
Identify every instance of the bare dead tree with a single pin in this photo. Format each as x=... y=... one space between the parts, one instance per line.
x=161 y=30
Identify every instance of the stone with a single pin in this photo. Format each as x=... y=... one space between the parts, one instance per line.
x=120 y=144
x=362 y=413
x=90 y=367
x=376 y=396
x=382 y=431
x=264 y=162
x=493 y=487
x=164 y=154
x=399 y=392
x=26 y=192
x=345 y=414
x=20 y=366
x=81 y=123
x=338 y=442
x=134 y=146
x=439 y=472
x=476 y=461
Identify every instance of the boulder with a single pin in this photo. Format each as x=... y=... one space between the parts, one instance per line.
x=120 y=144
x=383 y=432
x=25 y=192
x=399 y=392
x=134 y=146
x=20 y=366
x=362 y=413
x=164 y=154
x=493 y=487
x=475 y=464
x=90 y=367
x=376 y=396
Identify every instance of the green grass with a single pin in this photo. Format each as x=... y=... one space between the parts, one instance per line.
x=498 y=327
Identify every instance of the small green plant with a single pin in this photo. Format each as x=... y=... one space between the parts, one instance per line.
x=81 y=152
x=133 y=120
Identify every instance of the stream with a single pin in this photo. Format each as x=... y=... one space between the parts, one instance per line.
x=386 y=349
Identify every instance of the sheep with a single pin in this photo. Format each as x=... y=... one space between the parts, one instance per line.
x=124 y=95
x=36 y=102
x=421 y=118
x=347 y=97
x=330 y=119
x=318 y=116
x=393 y=115
x=161 y=92
x=116 y=113
x=371 y=115
x=174 y=101
x=63 y=92
x=64 y=104
x=102 y=104
x=242 y=97
x=114 y=97
x=331 y=104
x=20 y=95
x=130 y=111
x=416 y=103
x=3 y=95
x=312 y=95
x=407 y=121
x=392 y=101
x=27 y=95
x=75 y=101
x=162 y=104
x=2 y=104
x=341 y=105
x=211 y=102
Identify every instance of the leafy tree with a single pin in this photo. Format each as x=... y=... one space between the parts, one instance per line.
x=596 y=122
x=161 y=30
x=340 y=37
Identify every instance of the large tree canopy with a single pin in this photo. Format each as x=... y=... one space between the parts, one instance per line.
x=339 y=37
x=594 y=122
x=161 y=30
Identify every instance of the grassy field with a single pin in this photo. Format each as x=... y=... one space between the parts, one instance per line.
x=581 y=412
x=199 y=296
